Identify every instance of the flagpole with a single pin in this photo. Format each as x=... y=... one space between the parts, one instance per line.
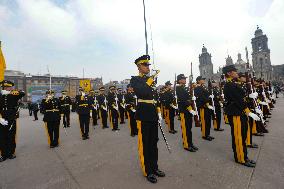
x=145 y=23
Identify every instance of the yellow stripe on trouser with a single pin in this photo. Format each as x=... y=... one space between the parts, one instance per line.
x=183 y=129
x=248 y=141
x=140 y=147
x=16 y=136
x=111 y=119
x=101 y=117
x=226 y=119
x=168 y=119
x=202 y=121
x=215 y=123
x=238 y=138
x=46 y=129
x=129 y=123
x=254 y=131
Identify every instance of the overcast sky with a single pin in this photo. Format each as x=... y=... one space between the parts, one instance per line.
x=105 y=36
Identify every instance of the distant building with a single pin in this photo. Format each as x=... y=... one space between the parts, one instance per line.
x=205 y=64
x=35 y=86
x=261 y=55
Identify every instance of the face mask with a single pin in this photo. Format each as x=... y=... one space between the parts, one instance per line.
x=4 y=92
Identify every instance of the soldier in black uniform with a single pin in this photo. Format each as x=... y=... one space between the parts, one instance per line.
x=237 y=112
x=103 y=105
x=131 y=104
x=204 y=107
x=66 y=103
x=186 y=113
x=9 y=106
x=35 y=109
x=147 y=116
x=217 y=104
x=170 y=107
x=95 y=107
x=121 y=105
x=84 y=106
x=51 y=118
x=113 y=107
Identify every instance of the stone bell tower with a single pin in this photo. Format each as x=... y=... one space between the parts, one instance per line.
x=205 y=64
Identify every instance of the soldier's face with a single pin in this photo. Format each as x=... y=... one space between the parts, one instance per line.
x=233 y=74
x=182 y=81
x=202 y=82
x=214 y=84
x=8 y=88
x=243 y=79
x=144 y=68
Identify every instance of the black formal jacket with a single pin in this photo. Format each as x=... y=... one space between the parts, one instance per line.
x=184 y=98
x=51 y=109
x=83 y=104
x=202 y=96
x=144 y=91
x=65 y=104
x=9 y=105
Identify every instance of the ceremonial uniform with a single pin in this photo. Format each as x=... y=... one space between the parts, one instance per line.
x=9 y=108
x=51 y=118
x=147 y=122
x=203 y=104
x=103 y=105
x=35 y=109
x=66 y=103
x=185 y=109
x=170 y=108
x=218 y=109
x=95 y=106
x=237 y=111
x=114 y=109
x=131 y=104
x=121 y=105
x=84 y=106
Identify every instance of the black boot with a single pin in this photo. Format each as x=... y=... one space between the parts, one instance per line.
x=159 y=173
x=152 y=178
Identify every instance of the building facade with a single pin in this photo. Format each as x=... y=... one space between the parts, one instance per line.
x=205 y=64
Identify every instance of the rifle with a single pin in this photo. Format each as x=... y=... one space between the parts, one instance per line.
x=191 y=92
x=210 y=88
x=175 y=92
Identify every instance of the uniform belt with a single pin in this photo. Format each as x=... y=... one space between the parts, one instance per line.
x=83 y=104
x=53 y=110
x=65 y=104
x=146 y=101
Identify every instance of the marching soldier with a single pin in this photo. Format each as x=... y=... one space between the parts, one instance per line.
x=218 y=106
x=9 y=112
x=35 y=109
x=66 y=103
x=186 y=113
x=103 y=104
x=170 y=107
x=204 y=107
x=121 y=105
x=131 y=104
x=147 y=116
x=113 y=106
x=237 y=112
x=95 y=106
x=84 y=105
x=51 y=118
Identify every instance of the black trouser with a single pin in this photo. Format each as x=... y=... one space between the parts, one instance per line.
x=84 y=120
x=95 y=116
x=217 y=121
x=8 y=139
x=114 y=118
x=103 y=117
x=66 y=119
x=205 y=117
x=53 y=132
x=249 y=131
x=132 y=123
x=147 y=146
x=121 y=114
x=35 y=114
x=239 y=133
x=30 y=112
x=186 y=126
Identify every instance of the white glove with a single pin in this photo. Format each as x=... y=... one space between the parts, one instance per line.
x=4 y=92
x=270 y=92
x=133 y=110
x=221 y=104
x=263 y=103
x=254 y=116
x=269 y=101
x=160 y=117
x=256 y=94
x=263 y=93
x=252 y=95
x=192 y=112
x=223 y=96
x=257 y=110
x=211 y=96
x=210 y=107
x=193 y=98
x=90 y=114
x=3 y=122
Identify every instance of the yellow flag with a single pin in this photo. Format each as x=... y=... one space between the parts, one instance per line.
x=2 y=64
x=85 y=84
